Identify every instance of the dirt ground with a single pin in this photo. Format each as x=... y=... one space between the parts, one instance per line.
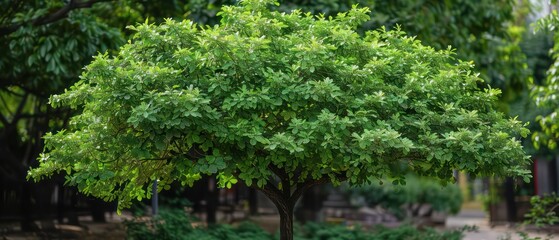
x=113 y=229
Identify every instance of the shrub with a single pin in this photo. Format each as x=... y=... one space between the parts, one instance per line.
x=174 y=224
x=317 y=231
x=416 y=192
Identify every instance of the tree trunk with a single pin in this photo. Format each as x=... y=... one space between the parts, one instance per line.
x=285 y=202
x=211 y=201
x=26 y=208
x=73 y=213
x=286 y=222
x=286 y=198
x=511 y=202
x=60 y=204
x=252 y=202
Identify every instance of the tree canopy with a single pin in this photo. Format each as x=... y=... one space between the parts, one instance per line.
x=280 y=101
x=487 y=32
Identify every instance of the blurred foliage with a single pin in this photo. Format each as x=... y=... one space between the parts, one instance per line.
x=320 y=231
x=175 y=224
x=45 y=59
x=45 y=45
x=400 y=199
x=544 y=210
x=40 y=57
x=174 y=198
x=546 y=93
x=483 y=31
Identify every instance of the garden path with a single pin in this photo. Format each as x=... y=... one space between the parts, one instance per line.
x=486 y=231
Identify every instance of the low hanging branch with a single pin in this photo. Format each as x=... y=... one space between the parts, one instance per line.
x=56 y=15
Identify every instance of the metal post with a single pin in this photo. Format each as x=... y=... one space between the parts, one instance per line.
x=154 y=200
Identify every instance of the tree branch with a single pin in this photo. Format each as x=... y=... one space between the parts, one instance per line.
x=15 y=5
x=4 y=120
x=273 y=193
x=19 y=110
x=195 y=152
x=59 y=14
x=284 y=178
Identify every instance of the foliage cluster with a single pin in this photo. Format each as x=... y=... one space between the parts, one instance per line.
x=174 y=224
x=52 y=53
x=488 y=32
x=405 y=199
x=494 y=48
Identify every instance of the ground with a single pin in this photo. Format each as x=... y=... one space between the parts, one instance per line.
x=113 y=229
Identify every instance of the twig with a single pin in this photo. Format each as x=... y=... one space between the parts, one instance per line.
x=59 y=14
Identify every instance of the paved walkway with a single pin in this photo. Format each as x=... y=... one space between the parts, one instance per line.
x=485 y=231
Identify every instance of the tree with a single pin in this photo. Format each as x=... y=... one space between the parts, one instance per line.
x=545 y=94
x=46 y=44
x=280 y=101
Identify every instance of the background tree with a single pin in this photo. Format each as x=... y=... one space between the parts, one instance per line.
x=546 y=94
x=543 y=211
x=46 y=44
x=280 y=101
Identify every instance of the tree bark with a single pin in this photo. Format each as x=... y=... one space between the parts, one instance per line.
x=252 y=202
x=287 y=196
x=60 y=204
x=211 y=201
x=25 y=208
x=511 y=202
x=286 y=222
x=284 y=202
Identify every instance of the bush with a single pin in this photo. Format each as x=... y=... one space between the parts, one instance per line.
x=544 y=210
x=416 y=192
x=318 y=231
x=175 y=224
